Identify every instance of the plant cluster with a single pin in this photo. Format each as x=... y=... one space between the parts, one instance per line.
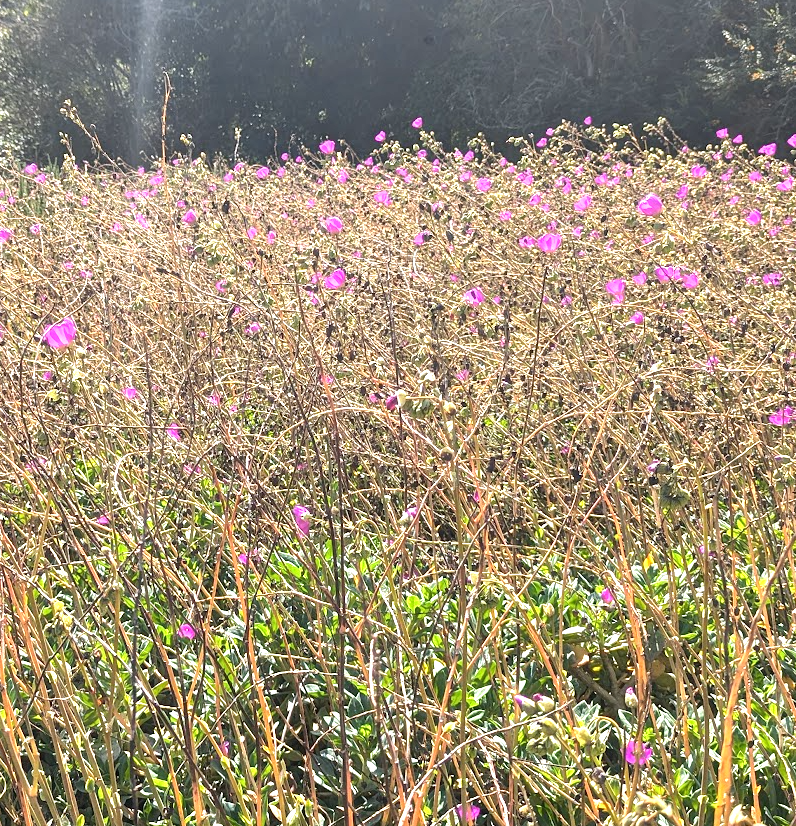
x=424 y=487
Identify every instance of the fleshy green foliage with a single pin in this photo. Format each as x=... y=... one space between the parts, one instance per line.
x=492 y=522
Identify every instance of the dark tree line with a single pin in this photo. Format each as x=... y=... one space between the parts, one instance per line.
x=269 y=70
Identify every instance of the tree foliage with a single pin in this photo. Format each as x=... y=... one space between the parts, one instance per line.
x=347 y=68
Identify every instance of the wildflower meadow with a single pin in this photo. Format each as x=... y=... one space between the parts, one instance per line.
x=426 y=487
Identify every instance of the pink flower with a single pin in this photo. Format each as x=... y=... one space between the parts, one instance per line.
x=772 y=279
x=382 y=197
x=640 y=278
x=174 y=431
x=263 y=172
x=737 y=139
x=35 y=229
x=616 y=289
x=251 y=232
x=637 y=318
x=333 y=224
x=214 y=399
x=607 y=596
x=417 y=123
x=420 y=238
x=129 y=392
x=473 y=297
x=31 y=169
x=5 y=234
x=582 y=204
x=587 y=120
x=463 y=375
x=342 y=176
x=769 y=149
x=549 y=242
x=467 y=813
x=103 y=519
x=753 y=218
x=60 y=335
x=668 y=274
x=792 y=141
x=186 y=631
x=253 y=328
x=691 y=280
x=782 y=417
x=334 y=280
x=190 y=217
x=650 y=205
x=504 y=215
x=640 y=756
x=327 y=147
x=380 y=137
x=526 y=242
x=722 y=133
x=301 y=514
x=698 y=171
x=483 y=184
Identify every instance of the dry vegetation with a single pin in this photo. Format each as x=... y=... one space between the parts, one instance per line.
x=385 y=552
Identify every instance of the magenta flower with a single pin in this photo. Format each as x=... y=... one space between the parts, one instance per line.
x=327 y=147
x=103 y=519
x=380 y=137
x=251 y=233
x=60 y=335
x=769 y=149
x=417 y=123
x=650 y=205
x=334 y=280
x=667 y=274
x=391 y=402
x=333 y=224
x=420 y=238
x=616 y=289
x=31 y=169
x=640 y=278
x=753 y=217
x=634 y=755
x=263 y=172
x=549 y=242
x=253 y=329
x=607 y=596
x=637 y=318
x=722 y=133
x=582 y=204
x=483 y=184
x=691 y=280
x=474 y=297
x=526 y=242
x=772 y=279
x=5 y=234
x=782 y=417
x=129 y=392
x=382 y=197
x=301 y=514
x=174 y=431
x=467 y=813
x=190 y=217
x=587 y=120
x=792 y=141
x=186 y=631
